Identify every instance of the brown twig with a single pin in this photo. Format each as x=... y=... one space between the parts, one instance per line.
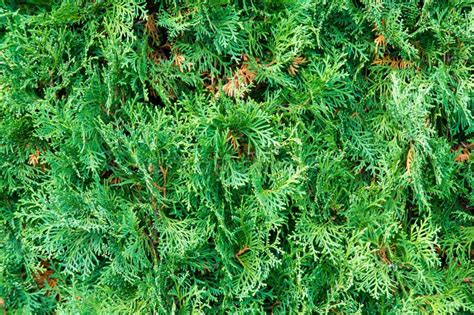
x=241 y=252
x=273 y=305
x=164 y=173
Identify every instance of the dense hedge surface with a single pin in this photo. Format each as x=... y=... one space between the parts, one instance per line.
x=236 y=156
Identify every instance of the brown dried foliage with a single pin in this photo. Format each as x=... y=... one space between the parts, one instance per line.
x=395 y=63
x=45 y=276
x=178 y=61
x=465 y=153
x=2 y=306
x=241 y=147
x=383 y=255
x=294 y=67
x=33 y=159
x=410 y=157
x=152 y=30
x=379 y=42
x=242 y=78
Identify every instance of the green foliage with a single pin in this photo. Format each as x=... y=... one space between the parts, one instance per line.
x=236 y=156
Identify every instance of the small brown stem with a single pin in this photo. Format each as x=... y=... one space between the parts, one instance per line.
x=241 y=252
x=273 y=306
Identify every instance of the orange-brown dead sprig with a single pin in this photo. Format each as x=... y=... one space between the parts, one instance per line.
x=33 y=159
x=242 y=78
x=295 y=64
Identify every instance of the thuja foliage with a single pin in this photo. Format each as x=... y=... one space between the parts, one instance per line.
x=236 y=156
